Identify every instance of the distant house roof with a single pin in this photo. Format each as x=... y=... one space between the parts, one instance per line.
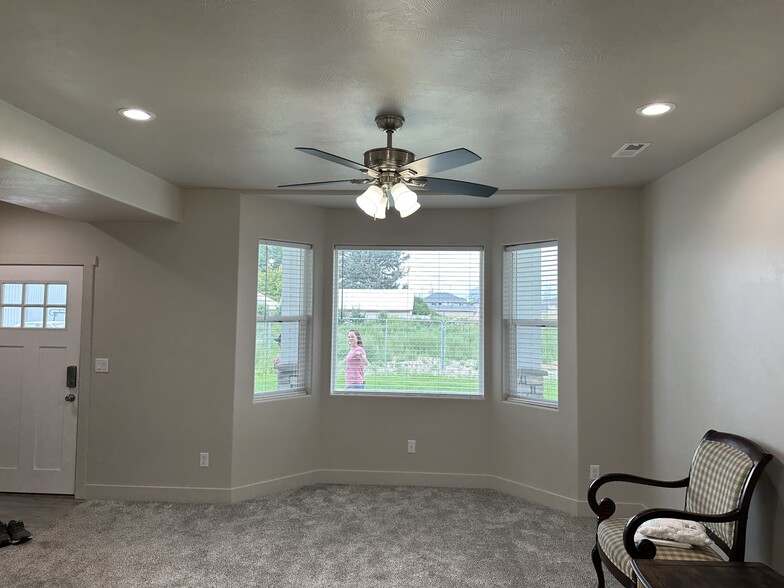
x=269 y=302
x=375 y=300
x=444 y=298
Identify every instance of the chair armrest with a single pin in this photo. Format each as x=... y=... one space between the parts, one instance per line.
x=646 y=549
x=606 y=508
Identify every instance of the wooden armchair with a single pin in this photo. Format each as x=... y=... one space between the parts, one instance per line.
x=724 y=471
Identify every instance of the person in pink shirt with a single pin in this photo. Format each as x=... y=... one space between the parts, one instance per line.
x=355 y=361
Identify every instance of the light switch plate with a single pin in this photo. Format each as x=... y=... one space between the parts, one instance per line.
x=101 y=365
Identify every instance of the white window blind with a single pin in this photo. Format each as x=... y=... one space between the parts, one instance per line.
x=531 y=322
x=283 y=319
x=419 y=317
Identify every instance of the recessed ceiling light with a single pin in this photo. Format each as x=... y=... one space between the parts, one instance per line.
x=656 y=109
x=136 y=114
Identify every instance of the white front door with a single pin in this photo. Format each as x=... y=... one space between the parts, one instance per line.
x=40 y=326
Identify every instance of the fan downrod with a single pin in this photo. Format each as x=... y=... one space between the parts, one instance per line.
x=388 y=159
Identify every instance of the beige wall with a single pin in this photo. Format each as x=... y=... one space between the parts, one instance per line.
x=609 y=336
x=274 y=439
x=714 y=307
x=536 y=448
x=174 y=309
x=164 y=315
x=363 y=434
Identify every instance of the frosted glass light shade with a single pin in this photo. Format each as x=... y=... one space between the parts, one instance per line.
x=373 y=202
x=410 y=210
x=405 y=200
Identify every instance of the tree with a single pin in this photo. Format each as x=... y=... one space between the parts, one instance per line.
x=421 y=307
x=270 y=271
x=271 y=282
x=378 y=268
x=270 y=256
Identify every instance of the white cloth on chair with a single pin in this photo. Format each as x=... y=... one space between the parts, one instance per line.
x=676 y=533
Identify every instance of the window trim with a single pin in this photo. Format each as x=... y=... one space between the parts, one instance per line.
x=508 y=323
x=480 y=395
x=304 y=320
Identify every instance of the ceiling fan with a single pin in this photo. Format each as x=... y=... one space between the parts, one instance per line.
x=394 y=171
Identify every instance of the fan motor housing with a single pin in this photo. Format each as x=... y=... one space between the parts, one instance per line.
x=387 y=158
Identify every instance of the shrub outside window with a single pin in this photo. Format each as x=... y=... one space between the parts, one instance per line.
x=531 y=323
x=418 y=313
x=283 y=319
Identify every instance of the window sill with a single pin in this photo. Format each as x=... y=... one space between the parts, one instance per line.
x=267 y=396
x=389 y=394
x=547 y=405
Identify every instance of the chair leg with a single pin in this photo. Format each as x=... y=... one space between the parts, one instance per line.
x=597 y=563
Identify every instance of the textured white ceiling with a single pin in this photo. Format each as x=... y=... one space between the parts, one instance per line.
x=545 y=91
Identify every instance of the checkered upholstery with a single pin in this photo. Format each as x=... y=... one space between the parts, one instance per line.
x=718 y=474
x=610 y=535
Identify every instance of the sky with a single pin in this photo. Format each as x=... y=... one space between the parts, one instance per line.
x=459 y=273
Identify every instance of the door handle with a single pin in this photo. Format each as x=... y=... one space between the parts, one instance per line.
x=70 y=397
x=70 y=377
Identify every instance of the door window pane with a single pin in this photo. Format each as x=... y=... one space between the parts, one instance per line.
x=55 y=317
x=12 y=294
x=56 y=293
x=11 y=316
x=33 y=317
x=34 y=294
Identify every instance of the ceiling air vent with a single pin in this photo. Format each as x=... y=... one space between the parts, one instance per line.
x=630 y=150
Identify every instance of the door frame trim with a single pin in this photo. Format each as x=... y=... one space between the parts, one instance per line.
x=88 y=264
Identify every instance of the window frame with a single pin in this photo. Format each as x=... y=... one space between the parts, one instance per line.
x=334 y=358
x=510 y=324
x=305 y=321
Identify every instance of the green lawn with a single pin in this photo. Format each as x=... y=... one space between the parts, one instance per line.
x=411 y=353
x=416 y=383
x=268 y=382
x=550 y=390
x=406 y=383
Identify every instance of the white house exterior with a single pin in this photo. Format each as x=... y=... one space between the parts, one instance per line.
x=372 y=302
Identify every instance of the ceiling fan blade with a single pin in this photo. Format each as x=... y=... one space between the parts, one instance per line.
x=362 y=181
x=454 y=187
x=333 y=158
x=433 y=164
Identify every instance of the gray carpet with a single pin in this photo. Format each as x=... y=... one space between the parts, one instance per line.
x=316 y=536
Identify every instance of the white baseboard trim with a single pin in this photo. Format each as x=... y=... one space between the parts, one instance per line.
x=292 y=482
x=543 y=497
x=392 y=478
x=156 y=493
x=371 y=477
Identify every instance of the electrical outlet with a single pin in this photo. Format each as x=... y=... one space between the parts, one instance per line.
x=412 y=446
x=594 y=472
x=204 y=460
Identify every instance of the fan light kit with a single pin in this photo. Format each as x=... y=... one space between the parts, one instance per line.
x=392 y=171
